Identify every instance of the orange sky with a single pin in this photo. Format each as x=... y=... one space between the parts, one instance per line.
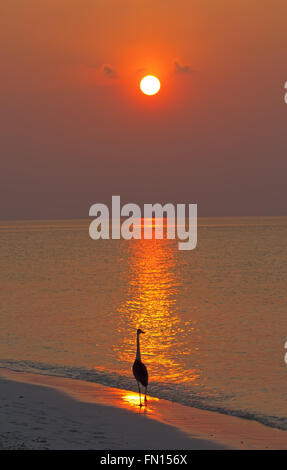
x=73 y=118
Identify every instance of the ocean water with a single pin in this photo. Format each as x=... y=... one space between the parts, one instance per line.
x=214 y=318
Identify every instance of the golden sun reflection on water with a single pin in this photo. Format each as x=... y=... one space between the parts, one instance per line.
x=150 y=304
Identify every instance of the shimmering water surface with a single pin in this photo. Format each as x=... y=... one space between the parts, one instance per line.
x=215 y=318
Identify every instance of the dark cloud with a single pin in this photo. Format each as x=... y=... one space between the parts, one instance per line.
x=141 y=70
x=109 y=71
x=182 y=68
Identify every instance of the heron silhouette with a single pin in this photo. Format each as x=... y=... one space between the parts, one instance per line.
x=139 y=369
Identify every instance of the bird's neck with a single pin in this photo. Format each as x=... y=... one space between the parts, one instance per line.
x=138 y=356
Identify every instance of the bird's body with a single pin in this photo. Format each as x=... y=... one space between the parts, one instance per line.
x=139 y=369
x=140 y=373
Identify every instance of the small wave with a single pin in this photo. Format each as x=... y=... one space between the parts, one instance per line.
x=175 y=392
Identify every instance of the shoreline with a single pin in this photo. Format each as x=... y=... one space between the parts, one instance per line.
x=110 y=418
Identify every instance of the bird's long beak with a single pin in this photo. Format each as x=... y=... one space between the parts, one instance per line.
x=143 y=332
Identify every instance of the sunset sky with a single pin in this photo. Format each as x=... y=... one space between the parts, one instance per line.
x=75 y=128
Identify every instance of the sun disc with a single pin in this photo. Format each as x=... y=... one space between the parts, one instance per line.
x=150 y=85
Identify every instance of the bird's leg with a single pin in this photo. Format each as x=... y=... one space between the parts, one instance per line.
x=145 y=400
x=140 y=394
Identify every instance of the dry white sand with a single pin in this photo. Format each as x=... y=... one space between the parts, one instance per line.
x=44 y=412
x=35 y=417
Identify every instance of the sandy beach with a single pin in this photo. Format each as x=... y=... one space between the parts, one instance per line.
x=45 y=412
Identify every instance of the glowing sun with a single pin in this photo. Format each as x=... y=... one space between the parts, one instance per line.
x=150 y=85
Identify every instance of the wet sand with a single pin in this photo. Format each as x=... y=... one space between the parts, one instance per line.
x=48 y=412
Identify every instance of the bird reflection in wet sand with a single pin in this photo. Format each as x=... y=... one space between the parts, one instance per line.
x=139 y=369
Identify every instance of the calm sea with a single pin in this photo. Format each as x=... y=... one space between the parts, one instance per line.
x=215 y=318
